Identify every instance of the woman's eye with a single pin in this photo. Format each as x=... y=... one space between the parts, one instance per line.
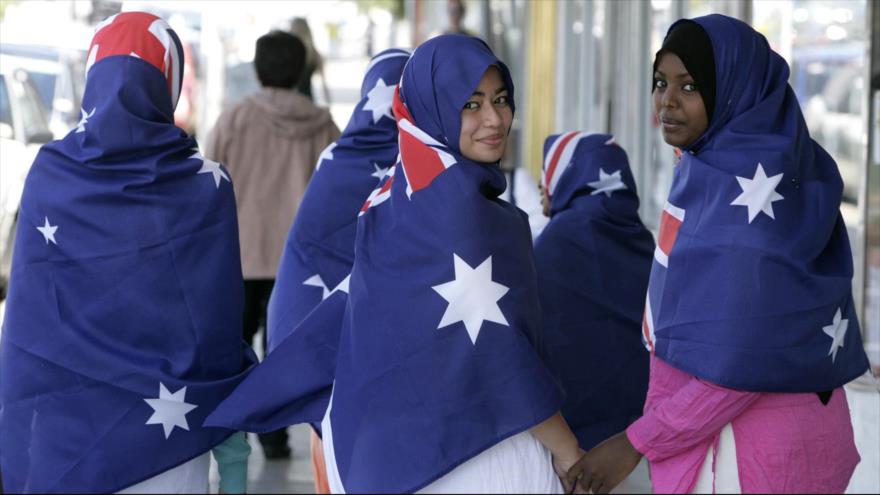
x=689 y=87
x=659 y=83
x=471 y=105
x=502 y=100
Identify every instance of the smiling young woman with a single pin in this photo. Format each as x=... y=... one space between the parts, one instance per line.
x=434 y=382
x=486 y=119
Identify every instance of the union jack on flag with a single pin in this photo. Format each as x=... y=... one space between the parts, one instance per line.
x=670 y=223
x=162 y=49
x=423 y=157
x=558 y=158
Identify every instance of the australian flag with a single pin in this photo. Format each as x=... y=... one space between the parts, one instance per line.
x=320 y=246
x=436 y=359
x=593 y=260
x=123 y=323
x=751 y=282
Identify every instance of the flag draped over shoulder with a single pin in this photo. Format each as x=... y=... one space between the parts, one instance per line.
x=320 y=246
x=751 y=282
x=123 y=324
x=593 y=261
x=293 y=383
x=436 y=358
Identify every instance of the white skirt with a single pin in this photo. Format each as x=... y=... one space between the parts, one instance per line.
x=189 y=477
x=720 y=471
x=518 y=464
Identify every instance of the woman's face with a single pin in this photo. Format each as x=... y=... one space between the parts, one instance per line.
x=486 y=119
x=678 y=103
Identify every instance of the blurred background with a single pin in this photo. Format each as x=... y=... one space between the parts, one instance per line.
x=577 y=64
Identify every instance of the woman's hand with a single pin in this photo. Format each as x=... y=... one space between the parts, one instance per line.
x=561 y=464
x=557 y=437
x=605 y=466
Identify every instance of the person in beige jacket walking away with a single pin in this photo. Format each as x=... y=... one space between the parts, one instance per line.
x=270 y=143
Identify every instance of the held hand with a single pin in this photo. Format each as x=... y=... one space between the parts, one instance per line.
x=562 y=464
x=605 y=466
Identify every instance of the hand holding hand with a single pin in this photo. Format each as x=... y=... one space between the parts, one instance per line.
x=605 y=466
x=561 y=464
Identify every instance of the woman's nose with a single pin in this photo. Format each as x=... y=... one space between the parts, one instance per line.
x=669 y=98
x=491 y=117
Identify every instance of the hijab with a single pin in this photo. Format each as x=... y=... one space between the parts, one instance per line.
x=689 y=41
x=593 y=260
x=751 y=284
x=123 y=325
x=436 y=360
x=319 y=251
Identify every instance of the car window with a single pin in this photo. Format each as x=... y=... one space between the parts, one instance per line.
x=45 y=85
x=33 y=113
x=5 y=110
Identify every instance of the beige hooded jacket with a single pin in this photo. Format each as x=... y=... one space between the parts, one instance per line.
x=270 y=142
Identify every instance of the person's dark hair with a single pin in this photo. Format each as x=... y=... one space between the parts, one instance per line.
x=279 y=60
x=456 y=8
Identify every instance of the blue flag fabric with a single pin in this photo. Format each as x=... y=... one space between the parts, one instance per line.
x=436 y=360
x=593 y=261
x=751 y=284
x=123 y=323
x=299 y=372
x=320 y=246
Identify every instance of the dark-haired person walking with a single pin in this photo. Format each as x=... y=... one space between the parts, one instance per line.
x=270 y=143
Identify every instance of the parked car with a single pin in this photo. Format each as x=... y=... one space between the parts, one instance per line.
x=58 y=75
x=830 y=84
x=24 y=128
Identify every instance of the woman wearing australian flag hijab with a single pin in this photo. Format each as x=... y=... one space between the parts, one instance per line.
x=436 y=384
x=750 y=316
x=320 y=246
x=123 y=324
x=593 y=260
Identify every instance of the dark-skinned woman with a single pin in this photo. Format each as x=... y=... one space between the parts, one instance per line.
x=749 y=317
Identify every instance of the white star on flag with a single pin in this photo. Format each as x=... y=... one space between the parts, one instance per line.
x=472 y=296
x=380 y=172
x=343 y=286
x=327 y=154
x=169 y=410
x=316 y=281
x=759 y=193
x=81 y=125
x=837 y=331
x=607 y=183
x=48 y=231
x=210 y=167
x=379 y=101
